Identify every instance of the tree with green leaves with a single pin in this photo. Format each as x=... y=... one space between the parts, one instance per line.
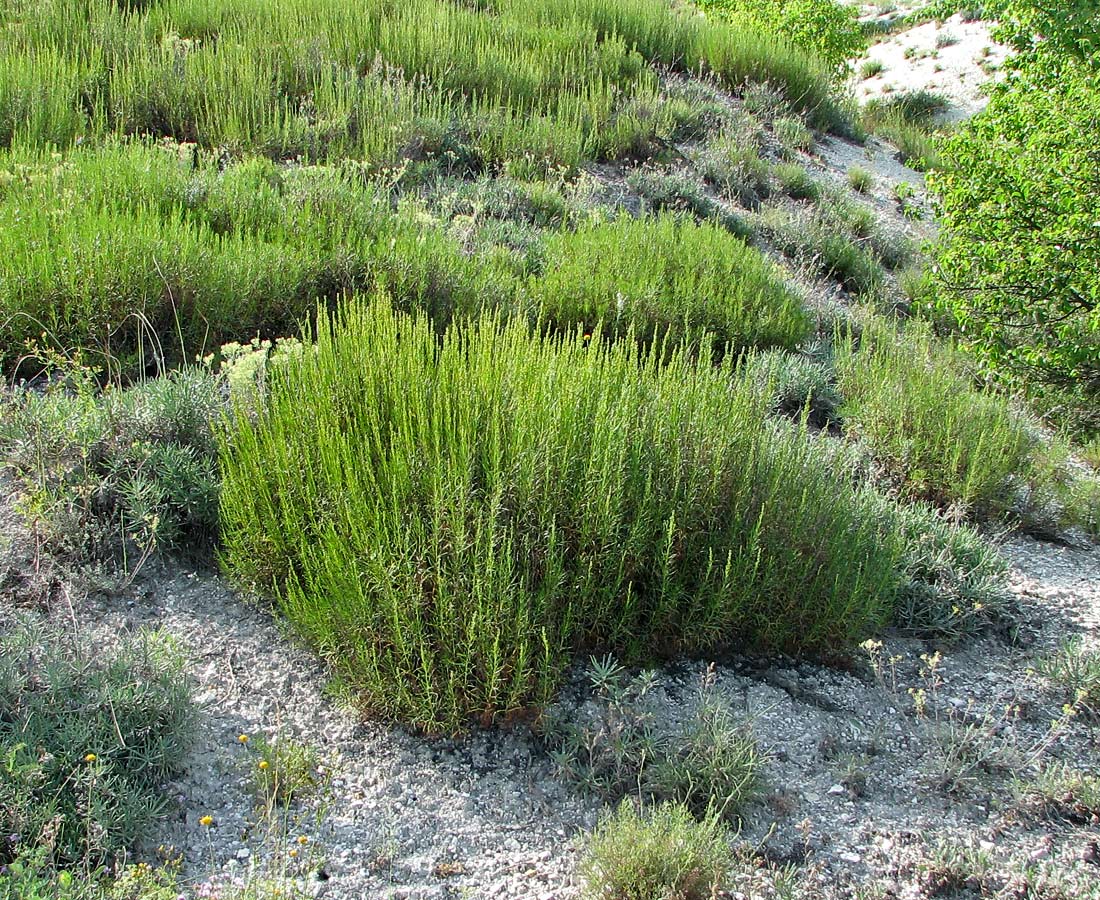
x=825 y=28
x=1018 y=196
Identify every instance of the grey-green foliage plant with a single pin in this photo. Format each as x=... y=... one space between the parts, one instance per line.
x=110 y=474
x=656 y=853
x=679 y=192
x=797 y=385
x=616 y=745
x=730 y=161
x=88 y=735
x=812 y=239
x=954 y=581
x=447 y=521
x=1076 y=669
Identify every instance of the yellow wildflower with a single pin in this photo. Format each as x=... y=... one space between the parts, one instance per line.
x=206 y=821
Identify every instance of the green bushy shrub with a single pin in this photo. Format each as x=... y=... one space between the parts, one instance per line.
x=203 y=253
x=909 y=120
x=1017 y=254
x=448 y=522
x=86 y=741
x=319 y=80
x=860 y=180
x=667 y=275
x=943 y=440
x=657 y=853
x=796 y=182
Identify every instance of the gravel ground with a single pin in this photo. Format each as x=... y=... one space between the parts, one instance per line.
x=858 y=790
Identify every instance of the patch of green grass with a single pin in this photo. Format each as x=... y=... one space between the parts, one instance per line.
x=284 y=770
x=658 y=852
x=796 y=182
x=870 y=68
x=909 y=121
x=943 y=440
x=860 y=180
x=667 y=276
x=1061 y=792
x=448 y=522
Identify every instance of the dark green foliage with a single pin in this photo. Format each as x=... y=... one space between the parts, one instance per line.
x=448 y=523
x=86 y=740
x=667 y=276
x=656 y=853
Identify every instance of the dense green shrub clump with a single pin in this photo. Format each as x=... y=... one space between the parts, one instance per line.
x=666 y=276
x=656 y=852
x=201 y=253
x=558 y=80
x=86 y=740
x=448 y=522
x=943 y=439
